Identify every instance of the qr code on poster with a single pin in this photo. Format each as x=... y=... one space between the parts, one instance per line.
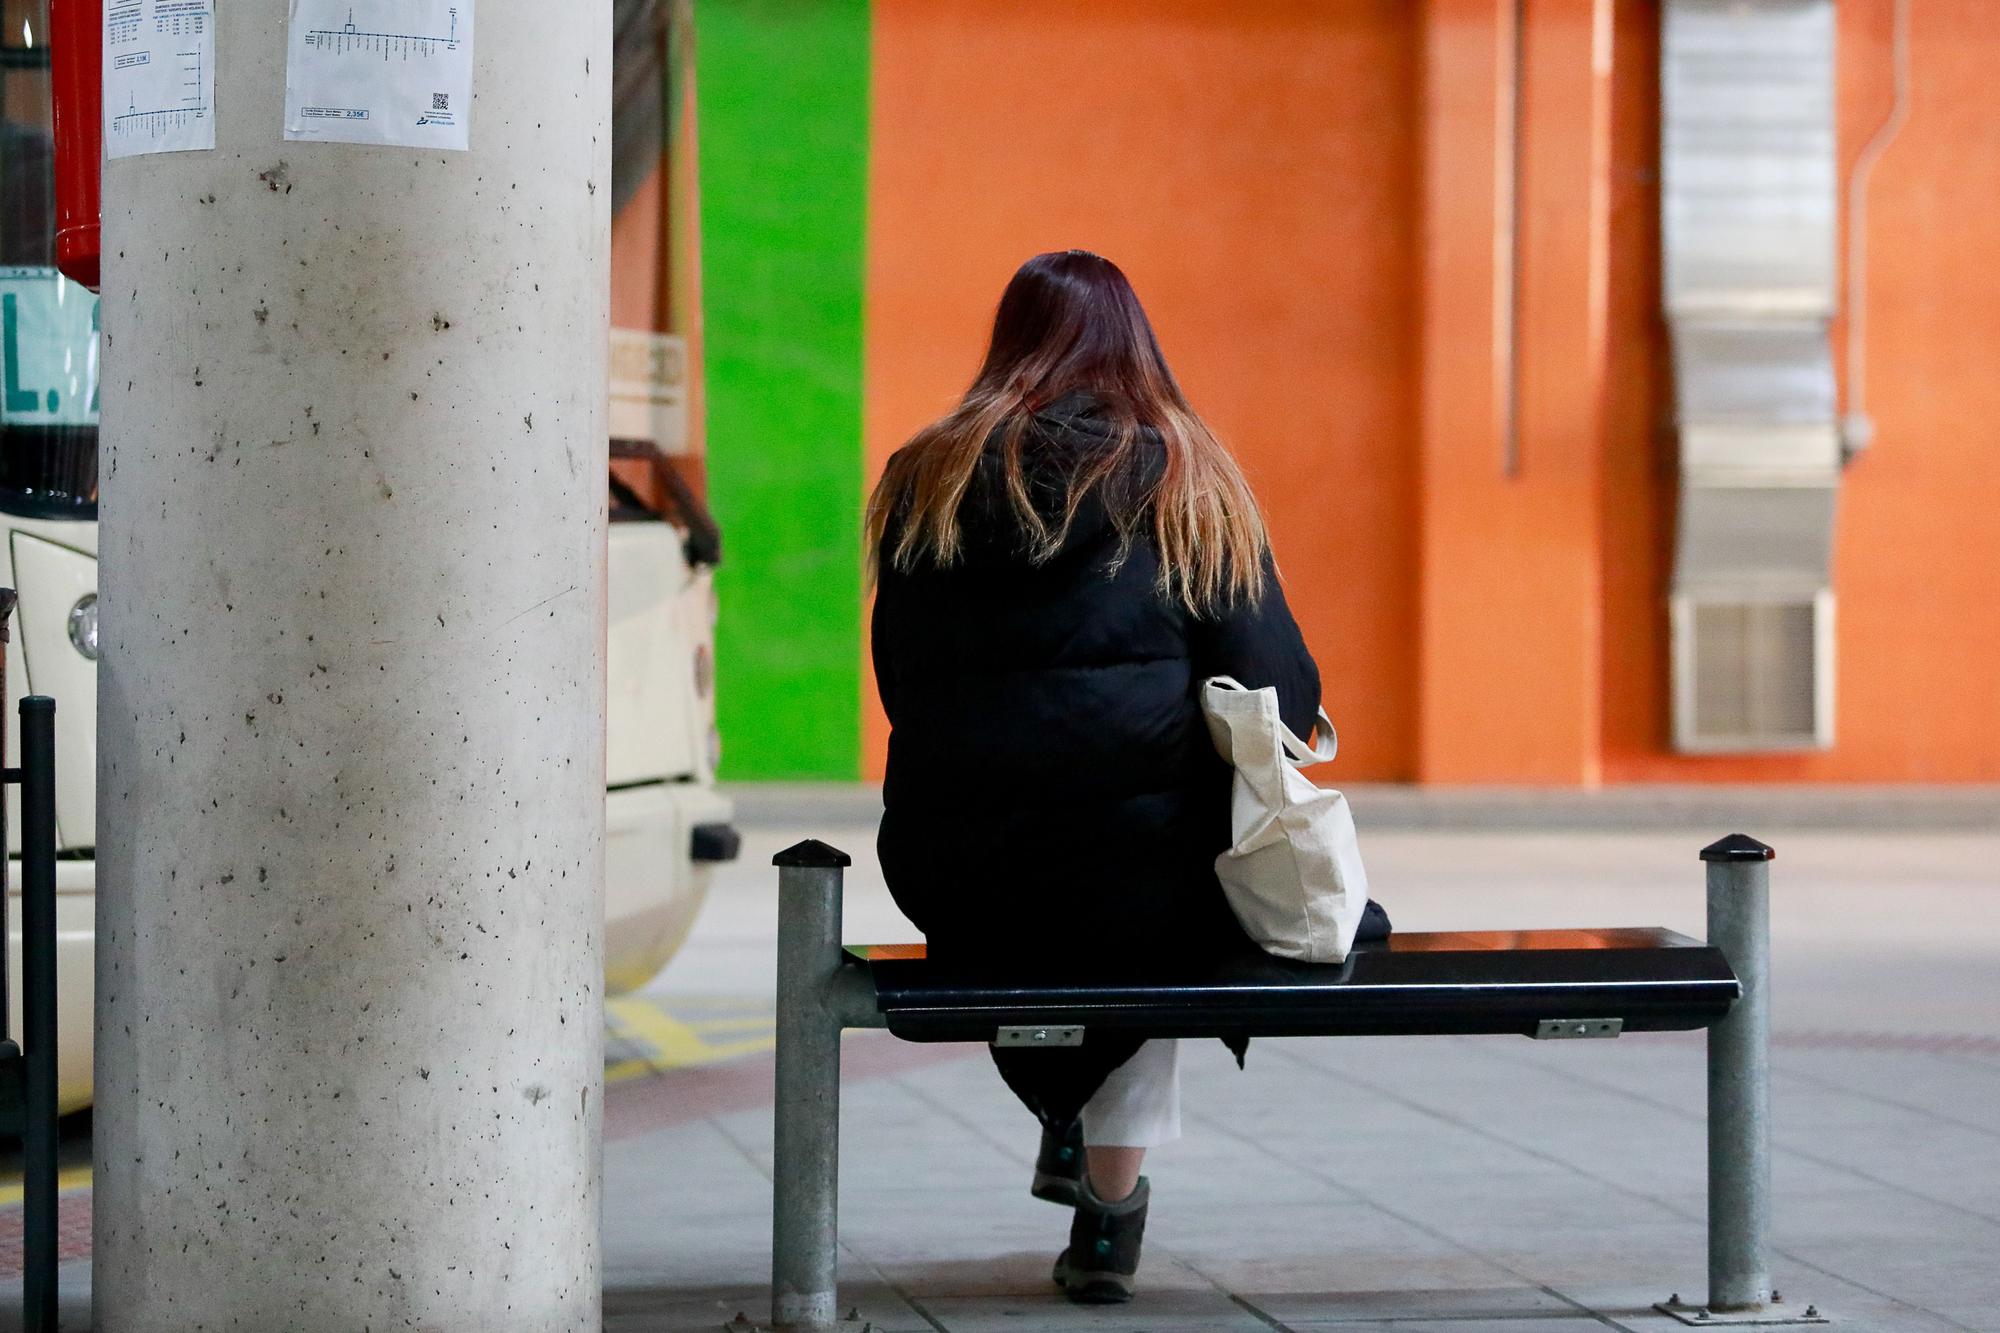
x=440 y=101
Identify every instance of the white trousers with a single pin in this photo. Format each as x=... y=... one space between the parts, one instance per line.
x=1139 y=1106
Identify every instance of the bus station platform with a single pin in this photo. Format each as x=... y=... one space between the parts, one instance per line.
x=1441 y=1185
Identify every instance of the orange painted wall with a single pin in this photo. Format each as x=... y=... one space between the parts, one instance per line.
x=1254 y=169
x=1510 y=604
x=1311 y=198
x=1918 y=538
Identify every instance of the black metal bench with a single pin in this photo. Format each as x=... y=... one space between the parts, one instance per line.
x=1547 y=984
x=1525 y=982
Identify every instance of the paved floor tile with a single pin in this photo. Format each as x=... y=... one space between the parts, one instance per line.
x=1156 y=1312
x=1362 y=1306
x=1578 y=1322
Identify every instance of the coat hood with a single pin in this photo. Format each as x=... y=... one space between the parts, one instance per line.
x=1062 y=438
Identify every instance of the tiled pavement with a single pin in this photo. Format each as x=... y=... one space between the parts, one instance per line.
x=1368 y=1184
x=1476 y=1185
x=1479 y=1185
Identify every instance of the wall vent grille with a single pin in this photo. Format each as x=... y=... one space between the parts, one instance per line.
x=1753 y=674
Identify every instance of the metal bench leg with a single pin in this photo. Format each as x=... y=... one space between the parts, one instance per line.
x=1739 y=1100
x=1739 y=1089
x=806 y=1147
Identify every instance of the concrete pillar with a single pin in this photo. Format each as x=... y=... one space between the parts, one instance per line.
x=351 y=790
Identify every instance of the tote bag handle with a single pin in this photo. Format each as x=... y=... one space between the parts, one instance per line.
x=1325 y=743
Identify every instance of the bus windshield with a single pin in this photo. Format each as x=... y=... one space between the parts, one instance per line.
x=48 y=411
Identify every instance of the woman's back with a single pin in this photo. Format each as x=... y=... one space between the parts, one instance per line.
x=1050 y=778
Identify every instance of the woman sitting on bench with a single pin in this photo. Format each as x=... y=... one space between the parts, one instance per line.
x=1060 y=561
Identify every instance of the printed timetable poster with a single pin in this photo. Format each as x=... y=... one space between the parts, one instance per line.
x=393 y=72
x=159 y=76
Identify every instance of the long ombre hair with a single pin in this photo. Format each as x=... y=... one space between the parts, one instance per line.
x=1068 y=322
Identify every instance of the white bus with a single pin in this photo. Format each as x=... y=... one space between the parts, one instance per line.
x=666 y=825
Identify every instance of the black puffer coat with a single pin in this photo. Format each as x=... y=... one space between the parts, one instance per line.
x=1053 y=799
x=1051 y=784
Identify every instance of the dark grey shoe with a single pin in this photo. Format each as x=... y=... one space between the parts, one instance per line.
x=1059 y=1166
x=1102 y=1260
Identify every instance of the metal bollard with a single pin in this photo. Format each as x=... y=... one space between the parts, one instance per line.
x=1739 y=1088
x=38 y=1012
x=806 y=1129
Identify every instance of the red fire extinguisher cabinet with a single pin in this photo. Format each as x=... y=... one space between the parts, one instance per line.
x=76 y=85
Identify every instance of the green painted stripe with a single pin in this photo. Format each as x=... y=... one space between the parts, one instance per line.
x=782 y=114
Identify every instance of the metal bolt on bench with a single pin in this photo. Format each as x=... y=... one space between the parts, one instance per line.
x=1544 y=984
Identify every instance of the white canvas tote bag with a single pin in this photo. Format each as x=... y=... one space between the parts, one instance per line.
x=1293 y=869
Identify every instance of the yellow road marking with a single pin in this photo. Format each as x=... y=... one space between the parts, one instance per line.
x=674 y=1043
x=747 y=1023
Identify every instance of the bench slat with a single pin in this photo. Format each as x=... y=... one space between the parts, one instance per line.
x=1415 y=983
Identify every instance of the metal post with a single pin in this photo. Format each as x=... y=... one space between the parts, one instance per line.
x=806 y=1137
x=7 y=600
x=38 y=1011
x=1739 y=1090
